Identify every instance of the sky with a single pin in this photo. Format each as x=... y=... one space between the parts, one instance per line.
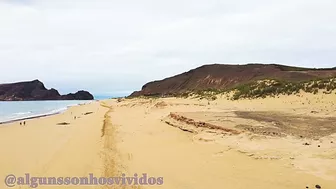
x=111 y=47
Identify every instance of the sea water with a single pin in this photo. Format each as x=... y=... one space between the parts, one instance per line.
x=14 y=110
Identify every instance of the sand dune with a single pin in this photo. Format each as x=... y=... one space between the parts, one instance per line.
x=205 y=157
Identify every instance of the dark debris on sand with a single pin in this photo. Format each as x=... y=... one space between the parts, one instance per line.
x=63 y=123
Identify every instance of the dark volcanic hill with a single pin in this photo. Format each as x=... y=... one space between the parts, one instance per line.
x=35 y=90
x=221 y=76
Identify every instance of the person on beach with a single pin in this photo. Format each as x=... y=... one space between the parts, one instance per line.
x=24 y=123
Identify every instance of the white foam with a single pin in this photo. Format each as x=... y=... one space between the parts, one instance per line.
x=22 y=113
x=30 y=114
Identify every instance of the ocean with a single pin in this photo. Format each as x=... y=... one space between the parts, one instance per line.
x=14 y=110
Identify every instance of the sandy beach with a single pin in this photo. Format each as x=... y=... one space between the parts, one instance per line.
x=281 y=142
x=178 y=94
x=43 y=148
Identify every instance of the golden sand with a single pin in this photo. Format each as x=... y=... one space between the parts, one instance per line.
x=138 y=136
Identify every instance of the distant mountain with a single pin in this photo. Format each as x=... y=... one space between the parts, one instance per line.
x=222 y=76
x=35 y=90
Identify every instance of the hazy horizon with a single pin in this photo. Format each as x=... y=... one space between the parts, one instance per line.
x=111 y=48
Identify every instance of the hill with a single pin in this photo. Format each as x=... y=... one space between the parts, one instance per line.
x=224 y=77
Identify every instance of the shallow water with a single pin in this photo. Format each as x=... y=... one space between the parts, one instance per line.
x=13 y=110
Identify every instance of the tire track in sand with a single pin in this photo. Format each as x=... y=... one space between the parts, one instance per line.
x=113 y=166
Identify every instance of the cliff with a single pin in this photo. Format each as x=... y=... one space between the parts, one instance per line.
x=35 y=90
x=221 y=77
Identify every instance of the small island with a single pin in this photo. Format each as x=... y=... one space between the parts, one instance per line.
x=35 y=90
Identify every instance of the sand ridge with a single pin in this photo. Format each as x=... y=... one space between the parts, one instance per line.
x=206 y=157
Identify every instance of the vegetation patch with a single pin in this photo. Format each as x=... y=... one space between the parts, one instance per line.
x=264 y=88
x=256 y=89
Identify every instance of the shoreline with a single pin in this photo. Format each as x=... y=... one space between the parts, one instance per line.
x=52 y=149
x=132 y=136
x=46 y=114
x=32 y=117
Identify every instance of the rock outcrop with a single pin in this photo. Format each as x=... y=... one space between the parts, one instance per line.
x=221 y=76
x=35 y=90
x=80 y=95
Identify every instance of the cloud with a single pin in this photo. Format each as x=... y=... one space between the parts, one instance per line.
x=120 y=45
